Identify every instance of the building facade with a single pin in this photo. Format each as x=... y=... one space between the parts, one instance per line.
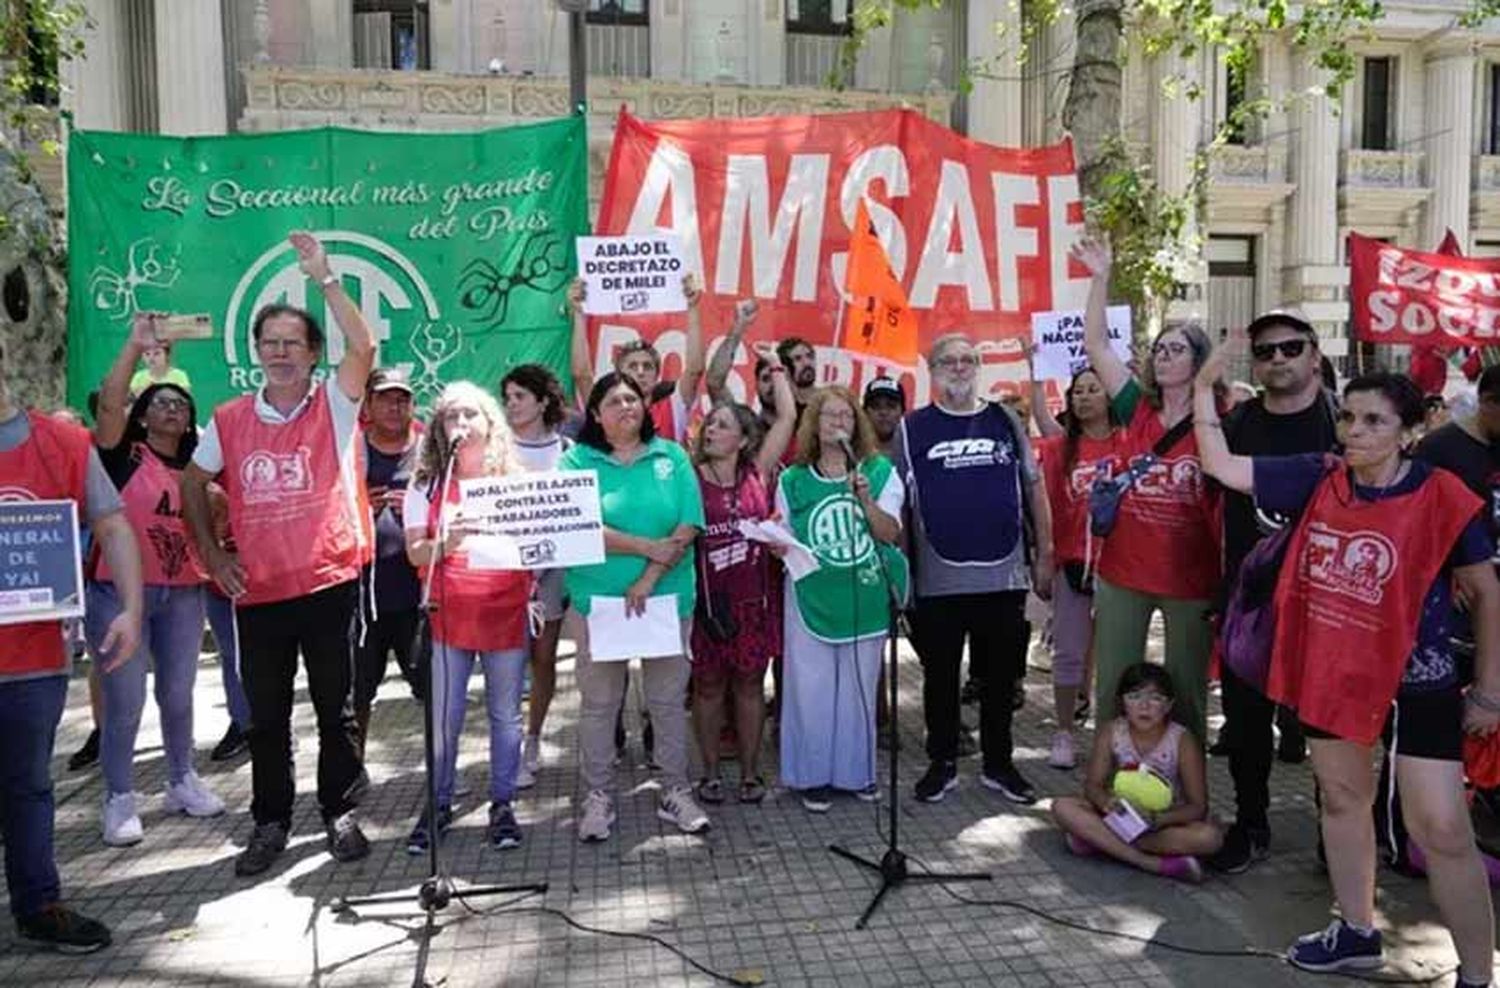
x=1412 y=150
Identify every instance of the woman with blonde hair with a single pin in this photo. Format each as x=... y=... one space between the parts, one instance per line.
x=837 y=617
x=477 y=614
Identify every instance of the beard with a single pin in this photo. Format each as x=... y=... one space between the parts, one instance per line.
x=960 y=392
x=807 y=377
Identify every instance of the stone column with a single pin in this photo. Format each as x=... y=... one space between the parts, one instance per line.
x=669 y=34
x=1176 y=124
x=767 y=30
x=1313 y=273
x=994 y=41
x=190 y=68
x=331 y=44
x=95 y=86
x=1449 y=130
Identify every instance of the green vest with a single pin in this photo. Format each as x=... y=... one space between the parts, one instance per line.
x=845 y=599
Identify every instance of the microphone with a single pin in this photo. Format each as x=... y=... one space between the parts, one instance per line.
x=456 y=439
x=848 y=450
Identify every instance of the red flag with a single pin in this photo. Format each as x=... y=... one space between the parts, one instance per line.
x=877 y=320
x=1450 y=246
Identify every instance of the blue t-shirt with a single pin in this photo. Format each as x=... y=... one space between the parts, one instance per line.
x=1286 y=484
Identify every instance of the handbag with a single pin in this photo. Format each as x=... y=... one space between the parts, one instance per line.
x=1106 y=493
x=1249 y=627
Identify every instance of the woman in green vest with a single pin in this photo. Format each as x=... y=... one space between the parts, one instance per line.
x=837 y=617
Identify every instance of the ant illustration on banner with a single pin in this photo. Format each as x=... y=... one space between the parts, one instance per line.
x=541 y=267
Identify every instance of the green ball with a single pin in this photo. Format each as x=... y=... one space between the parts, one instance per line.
x=1143 y=789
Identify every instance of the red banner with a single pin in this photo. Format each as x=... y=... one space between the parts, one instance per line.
x=1408 y=296
x=977 y=235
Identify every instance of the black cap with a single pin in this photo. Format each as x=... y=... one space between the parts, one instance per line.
x=388 y=379
x=883 y=386
x=1291 y=318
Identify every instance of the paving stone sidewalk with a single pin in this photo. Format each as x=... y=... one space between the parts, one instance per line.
x=759 y=896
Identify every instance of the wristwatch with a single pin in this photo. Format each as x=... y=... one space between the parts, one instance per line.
x=329 y=279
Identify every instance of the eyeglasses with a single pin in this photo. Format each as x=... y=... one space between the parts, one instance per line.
x=1290 y=349
x=1171 y=348
x=1143 y=697
x=955 y=362
x=166 y=403
x=280 y=346
x=836 y=414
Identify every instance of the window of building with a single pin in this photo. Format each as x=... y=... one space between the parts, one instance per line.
x=819 y=16
x=1234 y=99
x=391 y=34
x=617 y=12
x=1492 y=128
x=1378 y=104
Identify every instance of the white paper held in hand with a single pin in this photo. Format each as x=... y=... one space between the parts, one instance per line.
x=798 y=559
x=613 y=637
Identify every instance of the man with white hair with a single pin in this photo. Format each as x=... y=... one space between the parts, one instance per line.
x=981 y=537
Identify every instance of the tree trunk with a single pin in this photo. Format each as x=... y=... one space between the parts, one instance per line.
x=33 y=289
x=1092 y=111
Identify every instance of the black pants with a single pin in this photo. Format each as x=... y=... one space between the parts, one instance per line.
x=995 y=627
x=391 y=631
x=1248 y=716
x=321 y=626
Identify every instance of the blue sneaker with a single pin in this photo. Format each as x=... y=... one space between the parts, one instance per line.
x=1339 y=948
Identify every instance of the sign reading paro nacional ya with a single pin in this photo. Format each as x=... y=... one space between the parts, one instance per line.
x=456 y=247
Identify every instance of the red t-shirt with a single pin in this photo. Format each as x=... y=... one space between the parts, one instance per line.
x=1068 y=496
x=1166 y=539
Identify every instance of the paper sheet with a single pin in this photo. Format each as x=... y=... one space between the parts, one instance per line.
x=799 y=559
x=613 y=637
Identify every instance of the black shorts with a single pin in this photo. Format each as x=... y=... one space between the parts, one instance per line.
x=1422 y=725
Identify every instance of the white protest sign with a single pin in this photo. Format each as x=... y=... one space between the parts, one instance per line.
x=632 y=274
x=1059 y=341
x=533 y=520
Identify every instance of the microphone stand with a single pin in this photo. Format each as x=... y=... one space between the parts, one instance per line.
x=437 y=890
x=891 y=867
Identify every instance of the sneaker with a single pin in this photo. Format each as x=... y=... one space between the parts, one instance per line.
x=1062 y=755
x=598 y=817
x=818 y=799
x=1183 y=867
x=346 y=842
x=192 y=797
x=503 y=830
x=59 y=928
x=940 y=778
x=711 y=791
x=677 y=807
x=1339 y=948
x=267 y=841
x=234 y=742
x=531 y=760
x=1243 y=846
x=87 y=755
x=122 y=824
x=419 y=841
x=869 y=794
x=1011 y=784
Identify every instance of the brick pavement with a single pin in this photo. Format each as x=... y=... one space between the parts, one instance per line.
x=758 y=895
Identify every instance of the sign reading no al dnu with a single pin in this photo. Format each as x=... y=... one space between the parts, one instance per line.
x=41 y=571
x=458 y=248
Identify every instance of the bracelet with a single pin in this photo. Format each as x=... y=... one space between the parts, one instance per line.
x=1481 y=701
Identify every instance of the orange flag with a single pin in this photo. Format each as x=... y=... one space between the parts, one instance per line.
x=877 y=320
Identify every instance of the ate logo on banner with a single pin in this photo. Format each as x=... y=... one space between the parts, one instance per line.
x=838 y=532
x=1354 y=564
x=267 y=476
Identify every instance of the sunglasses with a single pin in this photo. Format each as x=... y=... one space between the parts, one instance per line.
x=1290 y=349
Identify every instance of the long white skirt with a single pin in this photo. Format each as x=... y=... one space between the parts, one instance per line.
x=827 y=708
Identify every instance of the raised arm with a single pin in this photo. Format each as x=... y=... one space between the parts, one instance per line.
x=1046 y=425
x=718 y=368
x=692 y=350
x=1095 y=255
x=359 y=342
x=114 y=393
x=780 y=434
x=1234 y=472
x=582 y=364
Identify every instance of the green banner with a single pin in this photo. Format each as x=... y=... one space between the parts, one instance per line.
x=458 y=248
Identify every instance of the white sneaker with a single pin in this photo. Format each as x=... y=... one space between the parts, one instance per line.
x=598 y=816
x=678 y=807
x=122 y=825
x=531 y=758
x=1062 y=755
x=192 y=797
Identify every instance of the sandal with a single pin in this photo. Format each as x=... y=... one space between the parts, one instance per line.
x=752 y=790
x=711 y=790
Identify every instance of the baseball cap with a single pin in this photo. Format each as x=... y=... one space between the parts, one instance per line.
x=888 y=387
x=388 y=379
x=1292 y=318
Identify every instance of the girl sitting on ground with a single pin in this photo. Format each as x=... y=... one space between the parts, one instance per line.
x=1153 y=763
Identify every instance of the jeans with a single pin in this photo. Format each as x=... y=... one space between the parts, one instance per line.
x=30 y=710
x=1122 y=619
x=171 y=632
x=996 y=629
x=502 y=693
x=221 y=622
x=321 y=626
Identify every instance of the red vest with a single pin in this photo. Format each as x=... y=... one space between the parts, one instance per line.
x=298 y=524
x=1349 y=598
x=51 y=465
x=153 y=506
x=481 y=610
x=663 y=415
x=1068 y=496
